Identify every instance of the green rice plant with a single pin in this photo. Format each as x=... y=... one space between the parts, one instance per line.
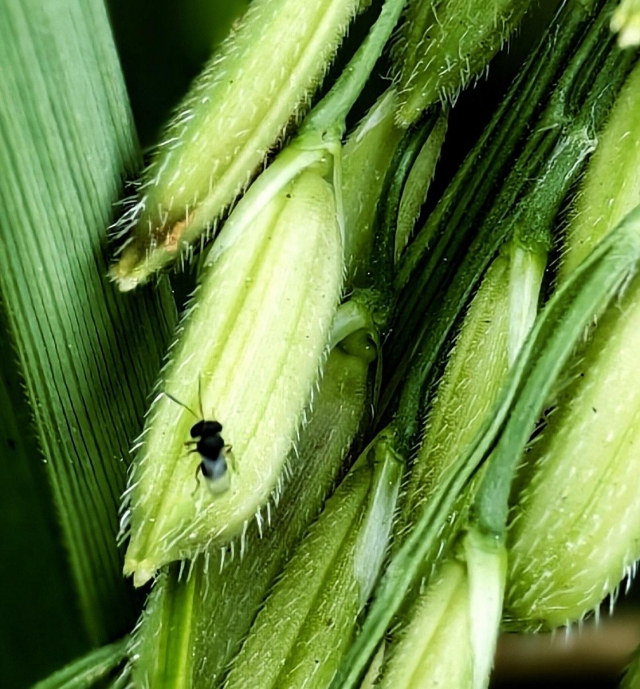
x=532 y=213
x=267 y=295
x=566 y=567
x=319 y=325
x=543 y=356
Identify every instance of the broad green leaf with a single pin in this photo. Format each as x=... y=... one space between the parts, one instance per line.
x=40 y=625
x=86 y=356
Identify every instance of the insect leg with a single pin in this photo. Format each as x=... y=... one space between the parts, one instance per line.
x=228 y=453
x=195 y=490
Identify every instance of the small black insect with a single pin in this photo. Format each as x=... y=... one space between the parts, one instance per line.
x=211 y=448
x=209 y=444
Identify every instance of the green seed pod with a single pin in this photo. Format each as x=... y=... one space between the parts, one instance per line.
x=249 y=354
x=425 y=657
x=307 y=622
x=576 y=525
x=449 y=640
x=254 y=85
x=468 y=389
x=611 y=186
x=444 y=44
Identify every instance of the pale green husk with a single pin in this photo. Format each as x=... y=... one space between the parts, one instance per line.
x=486 y=346
x=252 y=346
x=444 y=44
x=450 y=632
x=260 y=78
x=425 y=657
x=576 y=527
x=307 y=621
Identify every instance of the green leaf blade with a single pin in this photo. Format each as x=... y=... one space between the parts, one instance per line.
x=87 y=356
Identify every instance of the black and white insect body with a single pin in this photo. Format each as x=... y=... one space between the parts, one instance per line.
x=209 y=444
x=211 y=448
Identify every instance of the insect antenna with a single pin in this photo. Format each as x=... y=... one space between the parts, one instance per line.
x=200 y=397
x=182 y=404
